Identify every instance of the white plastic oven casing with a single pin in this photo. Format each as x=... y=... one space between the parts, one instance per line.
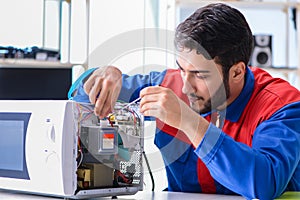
x=50 y=147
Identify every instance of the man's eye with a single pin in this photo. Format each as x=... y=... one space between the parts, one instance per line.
x=201 y=76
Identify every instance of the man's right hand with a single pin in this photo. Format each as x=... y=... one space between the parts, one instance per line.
x=103 y=88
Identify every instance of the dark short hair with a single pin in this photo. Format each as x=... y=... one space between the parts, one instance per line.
x=219 y=32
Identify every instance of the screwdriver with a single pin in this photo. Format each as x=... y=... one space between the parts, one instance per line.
x=131 y=103
x=127 y=105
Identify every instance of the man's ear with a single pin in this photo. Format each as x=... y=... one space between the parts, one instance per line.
x=237 y=72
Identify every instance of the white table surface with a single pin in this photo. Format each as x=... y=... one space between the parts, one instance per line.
x=178 y=196
x=145 y=195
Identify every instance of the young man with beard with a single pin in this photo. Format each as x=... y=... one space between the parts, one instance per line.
x=222 y=126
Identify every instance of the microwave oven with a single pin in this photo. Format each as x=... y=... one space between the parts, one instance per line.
x=60 y=148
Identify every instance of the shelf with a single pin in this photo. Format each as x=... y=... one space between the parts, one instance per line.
x=18 y=63
x=280 y=69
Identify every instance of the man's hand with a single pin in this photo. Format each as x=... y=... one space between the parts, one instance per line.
x=162 y=103
x=103 y=88
x=165 y=105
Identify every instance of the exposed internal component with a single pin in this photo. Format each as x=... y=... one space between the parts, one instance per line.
x=110 y=149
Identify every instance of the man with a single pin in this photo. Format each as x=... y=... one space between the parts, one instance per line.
x=240 y=132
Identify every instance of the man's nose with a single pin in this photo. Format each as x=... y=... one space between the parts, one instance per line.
x=187 y=84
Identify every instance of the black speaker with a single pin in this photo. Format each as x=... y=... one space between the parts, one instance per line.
x=262 y=51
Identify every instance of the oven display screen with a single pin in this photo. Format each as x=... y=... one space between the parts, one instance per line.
x=13 y=129
x=11 y=145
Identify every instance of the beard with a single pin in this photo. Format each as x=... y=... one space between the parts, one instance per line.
x=217 y=99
